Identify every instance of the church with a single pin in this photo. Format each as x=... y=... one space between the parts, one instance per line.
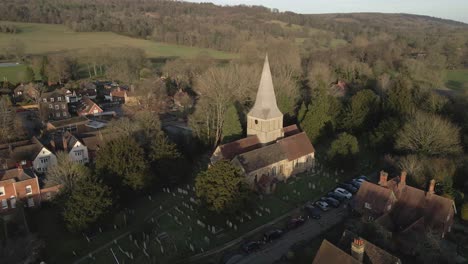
x=270 y=153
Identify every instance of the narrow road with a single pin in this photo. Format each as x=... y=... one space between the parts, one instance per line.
x=312 y=228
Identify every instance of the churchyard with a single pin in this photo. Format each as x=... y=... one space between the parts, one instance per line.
x=178 y=228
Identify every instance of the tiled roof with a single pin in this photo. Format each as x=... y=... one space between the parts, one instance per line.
x=296 y=146
x=329 y=253
x=232 y=149
x=373 y=194
x=291 y=130
x=70 y=121
x=19 y=151
x=372 y=253
x=17 y=174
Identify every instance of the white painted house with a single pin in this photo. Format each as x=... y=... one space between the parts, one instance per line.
x=44 y=160
x=69 y=144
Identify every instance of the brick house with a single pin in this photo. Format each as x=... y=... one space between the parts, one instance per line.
x=53 y=106
x=18 y=185
x=403 y=210
x=87 y=107
x=71 y=145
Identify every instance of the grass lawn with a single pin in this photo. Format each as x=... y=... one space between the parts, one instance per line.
x=48 y=38
x=13 y=74
x=457 y=79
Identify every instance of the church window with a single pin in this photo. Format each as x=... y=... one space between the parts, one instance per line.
x=256 y=121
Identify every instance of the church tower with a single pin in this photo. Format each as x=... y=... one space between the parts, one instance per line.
x=265 y=119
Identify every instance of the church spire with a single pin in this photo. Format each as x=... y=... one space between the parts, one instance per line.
x=265 y=105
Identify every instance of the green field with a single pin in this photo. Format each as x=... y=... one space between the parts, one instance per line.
x=457 y=79
x=48 y=38
x=13 y=74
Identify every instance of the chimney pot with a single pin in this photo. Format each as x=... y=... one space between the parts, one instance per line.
x=403 y=177
x=432 y=187
x=357 y=249
x=383 y=178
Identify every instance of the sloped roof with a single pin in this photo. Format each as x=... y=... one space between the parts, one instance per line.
x=87 y=105
x=262 y=157
x=372 y=253
x=291 y=130
x=265 y=106
x=329 y=253
x=69 y=121
x=289 y=148
x=232 y=149
x=373 y=194
x=17 y=174
x=19 y=151
x=296 y=146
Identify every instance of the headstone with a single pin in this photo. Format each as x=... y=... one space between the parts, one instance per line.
x=207 y=240
x=213 y=229
x=235 y=227
x=191 y=247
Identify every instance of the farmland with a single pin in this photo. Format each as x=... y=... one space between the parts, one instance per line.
x=48 y=38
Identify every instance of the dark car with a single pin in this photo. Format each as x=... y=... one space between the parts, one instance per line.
x=355 y=183
x=251 y=246
x=336 y=196
x=312 y=211
x=331 y=201
x=349 y=187
x=295 y=222
x=272 y=235
x=363 y=177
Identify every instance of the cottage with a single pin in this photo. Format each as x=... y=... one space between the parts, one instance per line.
x=27 y=92
x=68 y=143
x=270 y=152
x=18 y=184
x=353 y=250
x=28 y=154
x=88 y=107
x=403 y=209
x=118 y=95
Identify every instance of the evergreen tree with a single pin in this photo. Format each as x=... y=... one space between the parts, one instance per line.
x=343 y=148
x=232 y=129
x=122 y=162
x=221 y=187
x=86 y=204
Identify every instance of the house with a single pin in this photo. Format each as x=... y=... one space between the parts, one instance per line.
x=271 y=152
x=88 y=107
x=403 y=209
x=53 y=106
x=28 y=154
x=68 y=143
x=18 y=184
x=27 y=92
x=94 y=141
x=118 y=95
x=353 y=250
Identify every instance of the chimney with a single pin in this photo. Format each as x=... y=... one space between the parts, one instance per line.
x=65 y=143
x=357 y=249
x=383 y=178
x=431 y=187
x=403 y=177
x=52 y=144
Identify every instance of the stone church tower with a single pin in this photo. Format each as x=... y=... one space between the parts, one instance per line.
x=265 y=119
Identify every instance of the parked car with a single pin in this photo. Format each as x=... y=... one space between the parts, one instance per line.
x=363 y=177
x=312 y=211
x=272 y=235
x=331 y=201
x=337 y=196
x=344 y=192
x=295 y=222
x=251 y=246
x=356 y=184
x=349 y=187
x=322 y=205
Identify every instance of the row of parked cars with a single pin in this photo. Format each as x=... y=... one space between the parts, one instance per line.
x=335 y=198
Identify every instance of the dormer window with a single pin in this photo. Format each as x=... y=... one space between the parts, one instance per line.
x=52 y=99
x=59 y=99
x=44 y=100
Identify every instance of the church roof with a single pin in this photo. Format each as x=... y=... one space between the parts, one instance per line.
x=289 y=148
x=265 y=104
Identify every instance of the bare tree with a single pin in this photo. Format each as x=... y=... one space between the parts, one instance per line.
x=66 y=172
x=429 y=134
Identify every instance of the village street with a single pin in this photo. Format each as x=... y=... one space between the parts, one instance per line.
x=312 y=228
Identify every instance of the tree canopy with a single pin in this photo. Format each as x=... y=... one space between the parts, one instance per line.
x=221 y=187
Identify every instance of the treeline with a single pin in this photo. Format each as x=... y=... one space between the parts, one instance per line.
x=228 y=28
x=9 y=28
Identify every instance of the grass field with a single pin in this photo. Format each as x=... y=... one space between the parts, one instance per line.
x=48 y=38
x=457 y=80
x=13 y=74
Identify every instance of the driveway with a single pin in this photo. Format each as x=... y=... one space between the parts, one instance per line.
x=274 y=251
